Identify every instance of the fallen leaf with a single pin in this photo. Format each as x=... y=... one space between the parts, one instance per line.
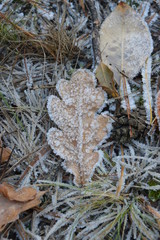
x=5 y=151
x=21 y=195
x=106 y=79
x=10 y=209
x=80 y=128
x=125 y=42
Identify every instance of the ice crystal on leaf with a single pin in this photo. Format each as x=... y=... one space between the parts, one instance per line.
x=80 y=128
x=125 y=42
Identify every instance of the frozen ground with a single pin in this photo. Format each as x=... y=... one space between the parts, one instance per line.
x=42 y=42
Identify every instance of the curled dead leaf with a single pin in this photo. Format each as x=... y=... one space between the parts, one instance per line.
x=106 y=79
x=21 y=195
x=10 y=209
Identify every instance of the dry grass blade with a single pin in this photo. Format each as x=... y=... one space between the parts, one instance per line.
x=59 y=43
x=121 y=180
x=56 y=42
x=45 y=150
x=29 y=34
x=157 y=108
x=155 y=213
x=147 y=91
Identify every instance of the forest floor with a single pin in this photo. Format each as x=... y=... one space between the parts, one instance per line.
x=41 y=43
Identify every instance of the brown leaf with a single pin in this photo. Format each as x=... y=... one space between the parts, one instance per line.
x=106 y=79
x=5 y=153
x=10 y=209
x=21 y=195
x=80 y=129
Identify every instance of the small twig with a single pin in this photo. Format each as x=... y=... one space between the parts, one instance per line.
x=21 y=160
x=45 y=149
x=29 y=34
x=20 y=229
x=95 y=30
x=25 y=64
x=153 y=211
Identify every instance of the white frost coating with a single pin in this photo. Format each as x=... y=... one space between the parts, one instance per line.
x=145 y=9
x=101 y=156
x=35 y=223
x=3 y=3
x=81 y=130
x=41 y=161
x=157 y=108
x=112 y=107
x=27 y=178
x=130 y=97
x=48 y=105
x=125 y=42
x=155 y=17
x=147 y=91
x=46 y=13
x=112 y=5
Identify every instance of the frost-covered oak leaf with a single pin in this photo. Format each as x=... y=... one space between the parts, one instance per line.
x=81 y=130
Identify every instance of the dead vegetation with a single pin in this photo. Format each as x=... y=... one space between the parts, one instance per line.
x=41 y=43
x=57 y=43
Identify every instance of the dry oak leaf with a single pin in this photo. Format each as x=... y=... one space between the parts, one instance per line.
x=5 y=153
x=21 y=195
x=125 y=42
x=80 y=128
x=13 y=202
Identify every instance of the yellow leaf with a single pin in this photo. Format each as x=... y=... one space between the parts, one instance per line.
x=106 y=79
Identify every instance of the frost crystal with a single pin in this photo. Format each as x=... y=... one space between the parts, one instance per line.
x=80 y=128
x=125 y=42
x=157 y=108
x=130 y=97
x=147 y=91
